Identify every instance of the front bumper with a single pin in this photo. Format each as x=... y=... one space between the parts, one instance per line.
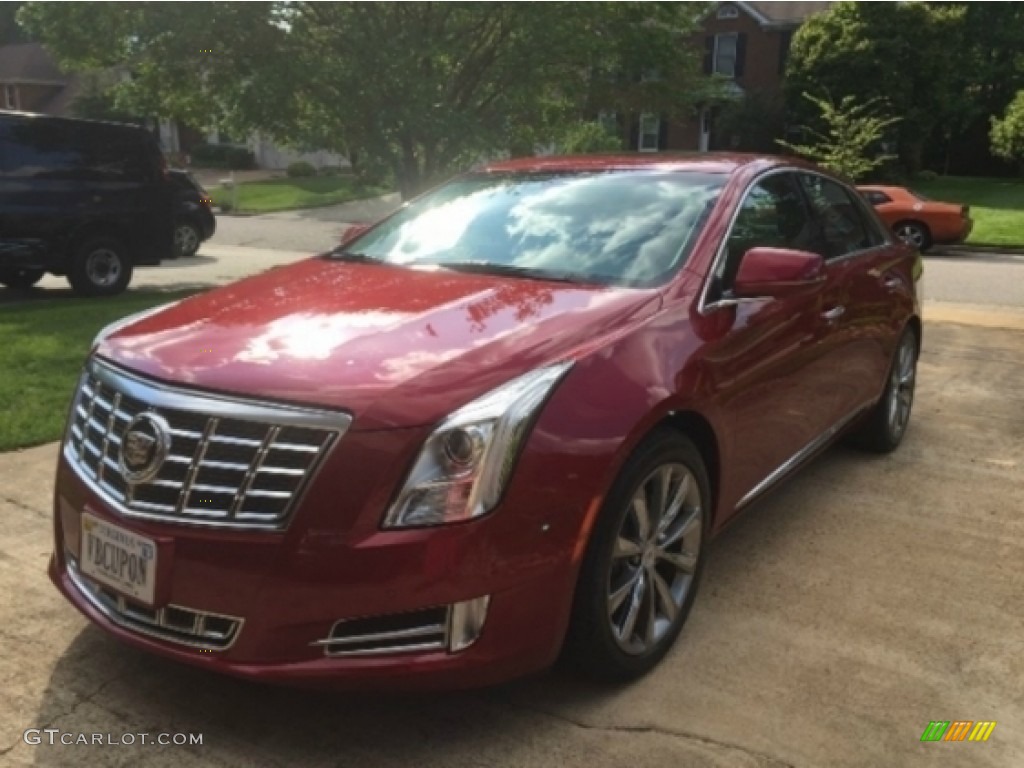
x=290 y=588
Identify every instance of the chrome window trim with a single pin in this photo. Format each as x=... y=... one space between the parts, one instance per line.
x=704 y=307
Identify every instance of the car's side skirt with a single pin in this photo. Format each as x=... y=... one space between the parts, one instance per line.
x=794 y=461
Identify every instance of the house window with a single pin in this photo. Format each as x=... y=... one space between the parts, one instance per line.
x=650 y=129
x=725 y=54
x=11 y=100
x=728 y=11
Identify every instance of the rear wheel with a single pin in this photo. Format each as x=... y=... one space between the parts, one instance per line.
x=100 y=267
x=640 y=573
x=883 y=429
x=914 y=233
x=20 y=278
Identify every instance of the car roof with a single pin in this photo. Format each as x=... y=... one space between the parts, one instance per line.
x=7 y=114
x=699 y=162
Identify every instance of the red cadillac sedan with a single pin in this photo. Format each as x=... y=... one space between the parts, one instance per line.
x=497 y=427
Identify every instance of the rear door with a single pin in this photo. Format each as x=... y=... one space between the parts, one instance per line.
x=854 y=308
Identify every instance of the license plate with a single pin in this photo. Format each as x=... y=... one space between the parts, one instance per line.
x=118 y=558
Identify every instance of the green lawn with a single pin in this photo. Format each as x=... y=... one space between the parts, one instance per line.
x=44 y=345
x=287 y=194
x=997 y=205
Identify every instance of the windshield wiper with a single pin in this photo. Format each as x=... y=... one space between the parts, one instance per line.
x=512 y=270
x=353 y=256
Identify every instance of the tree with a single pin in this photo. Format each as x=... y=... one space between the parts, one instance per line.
x=10 y=31
x=1008 y=132
x=421 y=87
x=852 y=131
x=902 y=52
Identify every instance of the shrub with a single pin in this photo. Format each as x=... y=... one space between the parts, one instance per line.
x=926 y=175
x=300 y=170
x=584 y=137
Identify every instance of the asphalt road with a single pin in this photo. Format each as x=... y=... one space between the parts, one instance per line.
x=866 y=597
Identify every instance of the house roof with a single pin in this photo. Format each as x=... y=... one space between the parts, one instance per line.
x=783 y=14
x=29 y=63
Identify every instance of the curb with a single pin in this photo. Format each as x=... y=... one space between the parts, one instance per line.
x=1006 y=318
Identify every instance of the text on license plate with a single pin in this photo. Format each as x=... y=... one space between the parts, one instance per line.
x=118 y=558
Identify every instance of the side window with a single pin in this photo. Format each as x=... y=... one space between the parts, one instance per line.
x=114 y=155
x=773 y=215
x=842 y=227
x=40 y=150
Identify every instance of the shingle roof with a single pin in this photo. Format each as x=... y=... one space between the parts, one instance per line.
x=787 y=13
x=28 y=63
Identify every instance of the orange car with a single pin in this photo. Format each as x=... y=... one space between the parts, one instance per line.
x=917 y=220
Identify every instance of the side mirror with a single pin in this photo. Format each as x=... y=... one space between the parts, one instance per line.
x=353 y=232
x=777 y=272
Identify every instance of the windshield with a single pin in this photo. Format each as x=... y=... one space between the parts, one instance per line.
x=621 y=227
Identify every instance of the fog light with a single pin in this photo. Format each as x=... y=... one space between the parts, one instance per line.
x=467 y=621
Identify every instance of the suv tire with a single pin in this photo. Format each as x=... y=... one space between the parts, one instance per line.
x=100 y=267
x=20 y=278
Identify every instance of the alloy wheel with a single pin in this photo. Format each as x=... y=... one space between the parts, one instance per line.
x=911 y=234
x=655 y=557
x=186 y=239
x=901 y=386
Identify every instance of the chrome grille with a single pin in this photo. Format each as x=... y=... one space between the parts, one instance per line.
x=230 y=463
x=175 y=623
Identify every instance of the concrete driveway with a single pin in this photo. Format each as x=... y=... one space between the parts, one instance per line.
x=865 y=598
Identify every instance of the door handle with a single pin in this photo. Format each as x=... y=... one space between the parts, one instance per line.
x=834 y=314
x=892 y=283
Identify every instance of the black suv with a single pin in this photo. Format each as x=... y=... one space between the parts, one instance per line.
x=80 y=198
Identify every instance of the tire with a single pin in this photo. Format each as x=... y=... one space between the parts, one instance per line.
x=100 y=267
x=616 y=580
x=884 y=427
x=187 y=239
x=914 y=233
x=20 y=278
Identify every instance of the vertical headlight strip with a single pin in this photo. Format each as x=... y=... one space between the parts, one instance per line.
x=467 y=461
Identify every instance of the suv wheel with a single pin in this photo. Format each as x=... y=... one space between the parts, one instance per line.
x=640 y=574
x=20 y=278
x=100 y=267
x=186 y=239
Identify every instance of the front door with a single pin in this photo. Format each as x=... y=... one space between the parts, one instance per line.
x=776 y=386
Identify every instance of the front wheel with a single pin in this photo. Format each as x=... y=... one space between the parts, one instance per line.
x=100 y=267
x=187 y=239
x=884 y=427
x=20 y=278
x=639 y=576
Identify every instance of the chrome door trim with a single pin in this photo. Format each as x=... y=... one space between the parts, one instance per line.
x=793 y=461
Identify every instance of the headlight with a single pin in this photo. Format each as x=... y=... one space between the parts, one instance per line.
x=117 y=325
x=464 y=465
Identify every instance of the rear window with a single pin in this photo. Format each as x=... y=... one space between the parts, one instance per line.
x=68 y=151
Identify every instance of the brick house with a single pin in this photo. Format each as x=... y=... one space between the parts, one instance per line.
x=30 y=80
x=746 y=42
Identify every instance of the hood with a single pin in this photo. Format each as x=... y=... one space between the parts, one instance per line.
x=394 y=347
